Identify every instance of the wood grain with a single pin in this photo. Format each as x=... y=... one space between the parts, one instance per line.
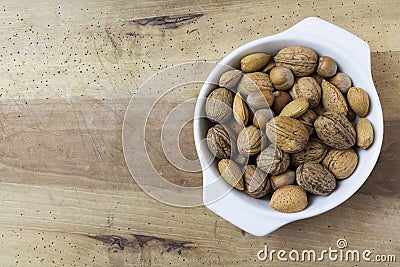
x=68 y=70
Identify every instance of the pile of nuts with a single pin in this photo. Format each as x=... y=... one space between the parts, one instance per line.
x=285 y=125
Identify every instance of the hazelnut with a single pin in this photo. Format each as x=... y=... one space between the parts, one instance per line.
x=281 y=99
x=282 y=78
x=342 y=81
x=326 y=67
x=286 y=178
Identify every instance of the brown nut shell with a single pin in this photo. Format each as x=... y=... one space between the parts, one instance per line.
x=308 y=88
x=301 y=60
x=326 y=67
x=219 y=105
x=319 y=110
x=230 y=79
x=315 y=178
x=254 y=62
x=341 y=163
x=317 y=77
x=249 y=141
x=342 y=82
x=281 y=99
x=286 y=178
x=240 y=110
x=287 y=133
x=260 y=99
x=351 y=115
x=218 y=142
x=308 y=119
x=231 y=173
x=261 y=117
x=273 y=160
x=295 y=108
x=335 y=130
x=314 y=151
x=365 y=133
x=289 y=199
x=256 y=182
x=359 y=101
x=234 y=128
x=271 y=64
x=332 y=98
x=282 y=78
x=254 y=81
x=240 y=158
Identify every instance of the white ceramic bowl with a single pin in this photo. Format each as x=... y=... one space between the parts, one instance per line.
x=353 y=57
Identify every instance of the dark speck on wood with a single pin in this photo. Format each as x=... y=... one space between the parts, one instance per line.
x=131 y=34
x=167 y=21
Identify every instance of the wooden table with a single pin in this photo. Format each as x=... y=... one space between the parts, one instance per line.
x=68 y=71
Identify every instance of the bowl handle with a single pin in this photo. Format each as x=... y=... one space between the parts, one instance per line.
x=253 y=223
x=218 y=198
x=326 y=31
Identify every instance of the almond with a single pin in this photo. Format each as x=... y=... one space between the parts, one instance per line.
x=288 y=199
x=332 y=98
x=365 y=133
x=296 y=108
x=254 y=62
x=240 y=110
x=358 y=101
